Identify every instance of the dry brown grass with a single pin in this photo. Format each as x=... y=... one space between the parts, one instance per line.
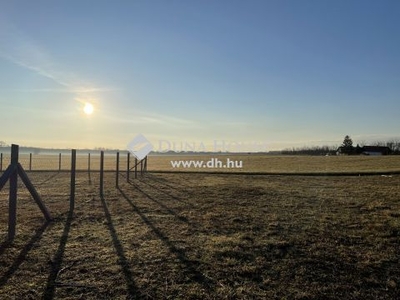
x=251 y=163
x=286 y=164
x=201 y=236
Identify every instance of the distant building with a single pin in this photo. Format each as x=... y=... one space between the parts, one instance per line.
x=365 y=150
x=375 y=150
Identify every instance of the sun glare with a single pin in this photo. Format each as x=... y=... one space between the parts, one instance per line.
x=88 y=109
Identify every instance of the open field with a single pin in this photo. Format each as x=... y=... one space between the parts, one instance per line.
x=251 y=163
x=285 y=164
x=202 y=236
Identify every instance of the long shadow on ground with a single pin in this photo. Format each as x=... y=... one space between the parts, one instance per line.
x=190 y=266
x=133 y=290
x=58 y=259
x=169 y=210
x=163 y=191
x=46 y=180
x=22 y=256
x=174 y=186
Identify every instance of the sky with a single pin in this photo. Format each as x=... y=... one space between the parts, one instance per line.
x=278 y=73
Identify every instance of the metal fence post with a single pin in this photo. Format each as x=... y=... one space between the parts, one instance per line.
x=12 y=200
x=89 y=170
x=73 y=175
x=59 y=161
x=117 y=172
x=101 y=173
x=128 y=166
x=136 y=163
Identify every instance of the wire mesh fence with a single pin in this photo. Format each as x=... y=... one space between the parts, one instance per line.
x=55 y=177
x=89 y=161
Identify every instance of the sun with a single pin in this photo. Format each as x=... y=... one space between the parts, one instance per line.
x=88 y=109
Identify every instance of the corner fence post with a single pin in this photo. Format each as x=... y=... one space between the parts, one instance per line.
x=117 y=172
x=128 y=166
x=72 y=185
x=1 y=162
x=12 y=201
x=102 y=173
x=30 y=161
x=59 y=162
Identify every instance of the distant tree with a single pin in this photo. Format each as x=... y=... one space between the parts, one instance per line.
x=3 y=144
x=347 y=145
x=347 y=142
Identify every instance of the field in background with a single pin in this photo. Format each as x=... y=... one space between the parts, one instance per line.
x=251 y=163
x=201 y=236
x=286 y=164
x=44 y=162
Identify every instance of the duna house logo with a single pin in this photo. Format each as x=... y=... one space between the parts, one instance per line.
x=140 y=147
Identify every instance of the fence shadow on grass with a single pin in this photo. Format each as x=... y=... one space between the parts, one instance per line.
x=46 y=180
x=189 y=266
x=4 y=245
x=133 y=290
x=169 y=210
x=175 y=186
x=58 y=259
x=164 y=192
x=22 y=256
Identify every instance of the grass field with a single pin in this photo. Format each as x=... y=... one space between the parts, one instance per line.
x=286 y=164
x=207 y=236
x=251 y=163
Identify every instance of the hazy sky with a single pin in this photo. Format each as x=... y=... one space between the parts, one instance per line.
x=285 y=73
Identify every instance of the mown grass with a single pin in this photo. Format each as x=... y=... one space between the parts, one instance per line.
x=202 y=236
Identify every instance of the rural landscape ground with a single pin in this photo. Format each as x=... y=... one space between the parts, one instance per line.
x=210 y=236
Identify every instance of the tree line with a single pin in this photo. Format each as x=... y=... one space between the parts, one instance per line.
x=311 y=150
x=392 y=144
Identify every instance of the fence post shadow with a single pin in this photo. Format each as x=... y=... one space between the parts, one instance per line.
x=190 y=266
x=162 y=191
x=4 y=245
x=168 y=209
x=22 y=255
x=58 y=257
x=133 y=290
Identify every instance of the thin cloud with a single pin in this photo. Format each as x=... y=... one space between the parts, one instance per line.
x=65 y=90
x=150 y=118
x=21 y=50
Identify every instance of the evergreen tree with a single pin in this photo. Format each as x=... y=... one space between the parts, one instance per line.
x=347 y=145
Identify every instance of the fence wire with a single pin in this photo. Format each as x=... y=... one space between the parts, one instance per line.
x=62 y=162
x=49 y=178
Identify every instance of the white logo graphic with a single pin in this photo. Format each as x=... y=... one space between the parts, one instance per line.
x=140 y=147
